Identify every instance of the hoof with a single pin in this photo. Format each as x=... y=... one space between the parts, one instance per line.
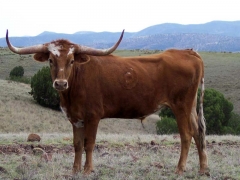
x=76 y=170
x=180 y=171
x=88 y=170
x=205 y=171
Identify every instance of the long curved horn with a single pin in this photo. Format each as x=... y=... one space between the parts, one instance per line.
x=26 y=50
x=98 y=52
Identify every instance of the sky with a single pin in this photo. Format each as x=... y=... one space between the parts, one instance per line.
x=30 y=18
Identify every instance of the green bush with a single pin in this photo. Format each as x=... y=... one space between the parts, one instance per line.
x=42 y=90
x=18 y=71
x=167 y=125
x=234 y=123
x=227 y=130
x=218 y=114
x=166 y=112
x=16 y=74
x=217 y=111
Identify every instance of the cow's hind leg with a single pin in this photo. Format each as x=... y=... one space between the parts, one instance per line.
x=78 y=137
x=186 y=134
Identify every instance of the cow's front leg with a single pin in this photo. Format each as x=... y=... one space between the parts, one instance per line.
x=78 y=141
x=89 y=143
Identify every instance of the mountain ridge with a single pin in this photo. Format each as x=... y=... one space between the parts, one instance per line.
x=211 y=36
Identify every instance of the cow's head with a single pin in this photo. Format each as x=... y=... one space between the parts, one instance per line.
x=61 y=55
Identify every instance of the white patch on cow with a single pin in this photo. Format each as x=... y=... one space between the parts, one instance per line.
x=54 y=49
x=71 y=50
x=64 y=110
x=61 y=69
x=79 y=124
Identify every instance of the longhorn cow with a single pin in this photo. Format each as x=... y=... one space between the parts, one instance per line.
x=94 y=84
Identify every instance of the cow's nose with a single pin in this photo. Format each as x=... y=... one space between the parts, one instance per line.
x=60 y=85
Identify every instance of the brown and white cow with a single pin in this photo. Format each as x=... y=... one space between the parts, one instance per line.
x=93 y=84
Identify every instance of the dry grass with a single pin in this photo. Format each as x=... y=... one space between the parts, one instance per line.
x=9 y=60
x=120 y=156
x=222 y=72
x=20 y=113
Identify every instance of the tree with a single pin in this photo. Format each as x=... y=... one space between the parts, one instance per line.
x=42 y=90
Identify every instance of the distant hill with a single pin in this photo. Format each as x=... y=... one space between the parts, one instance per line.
x=199 y=42
x=212 y=36
x=225 y=28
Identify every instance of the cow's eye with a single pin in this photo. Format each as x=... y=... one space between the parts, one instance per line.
x=72 y=61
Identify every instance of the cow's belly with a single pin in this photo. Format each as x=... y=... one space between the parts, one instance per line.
x=134 y=112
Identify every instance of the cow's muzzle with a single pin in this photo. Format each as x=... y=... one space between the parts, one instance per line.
x=60 y=85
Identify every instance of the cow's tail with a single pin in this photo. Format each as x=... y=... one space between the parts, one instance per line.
x=201 y=119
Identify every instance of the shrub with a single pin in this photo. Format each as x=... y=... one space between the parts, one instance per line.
x=166 y=112
x=18 y=71
x=42 y=90
x=217 y=112
x=167 y=125
x=234 y=123
x=16 y=74
x=227 y=130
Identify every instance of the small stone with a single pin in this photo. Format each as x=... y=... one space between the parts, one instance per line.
x=33 y=137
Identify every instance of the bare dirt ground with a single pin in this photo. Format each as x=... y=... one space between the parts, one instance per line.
x=138 y=155
x=20 y=149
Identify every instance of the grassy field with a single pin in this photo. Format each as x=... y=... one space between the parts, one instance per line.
x=116 y=156
x=125 y=150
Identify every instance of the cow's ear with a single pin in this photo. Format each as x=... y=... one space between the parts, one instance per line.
x=41 y=57
x=81 y=58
